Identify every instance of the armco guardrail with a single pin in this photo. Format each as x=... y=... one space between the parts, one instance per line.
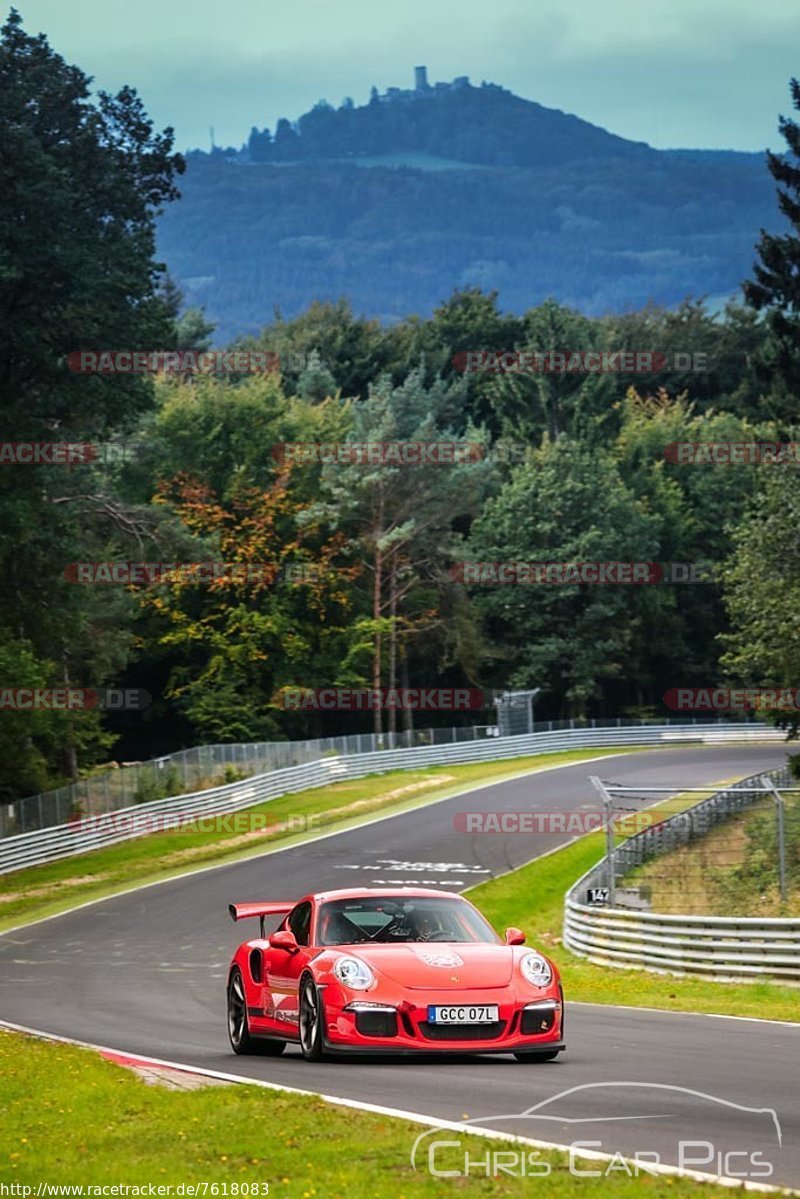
x=192 y=769
x=65 y=840
x=723 y=948
x=186 y=770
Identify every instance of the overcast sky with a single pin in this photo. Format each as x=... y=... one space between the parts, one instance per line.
x=670 y=72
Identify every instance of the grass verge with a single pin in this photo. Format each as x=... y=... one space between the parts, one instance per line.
x=737 y=858
x=532 y=898
x=72 y=1118
x=43 y=890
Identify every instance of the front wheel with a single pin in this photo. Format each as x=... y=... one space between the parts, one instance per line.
x=311 y=1018
x=543 y=1056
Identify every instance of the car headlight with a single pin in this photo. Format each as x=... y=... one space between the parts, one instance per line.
x=536 y=969
x=353 y=973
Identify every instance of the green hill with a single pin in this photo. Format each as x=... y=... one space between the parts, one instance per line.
x=396 y=202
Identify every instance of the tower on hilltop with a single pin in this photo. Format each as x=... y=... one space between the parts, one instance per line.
x=420 y=79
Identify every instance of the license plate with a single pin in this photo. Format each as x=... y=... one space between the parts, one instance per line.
x=481 y=1013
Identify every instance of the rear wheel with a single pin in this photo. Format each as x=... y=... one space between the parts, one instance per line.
x=241 y=1039
x=238 y=1030
x=311 y=1018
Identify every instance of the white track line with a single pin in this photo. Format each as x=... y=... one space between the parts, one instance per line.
x=412 y=1117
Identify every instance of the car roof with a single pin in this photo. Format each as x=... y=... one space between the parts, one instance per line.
x=383 y=892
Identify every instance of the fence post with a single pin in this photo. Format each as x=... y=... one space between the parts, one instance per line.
x=779 y=807
x=609 y=826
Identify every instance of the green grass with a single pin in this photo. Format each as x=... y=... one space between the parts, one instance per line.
x=43 y=890
x=72 y=1118
x=737 y=858
x=532 y=899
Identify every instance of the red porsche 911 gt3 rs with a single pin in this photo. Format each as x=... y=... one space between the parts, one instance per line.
x=390 y=971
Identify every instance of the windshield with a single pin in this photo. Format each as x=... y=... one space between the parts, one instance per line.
x=390 y=918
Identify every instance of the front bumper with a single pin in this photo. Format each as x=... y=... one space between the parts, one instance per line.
x=365 y=1026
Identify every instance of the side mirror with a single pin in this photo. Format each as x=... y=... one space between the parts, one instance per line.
x=515 y=936
x=283 y=939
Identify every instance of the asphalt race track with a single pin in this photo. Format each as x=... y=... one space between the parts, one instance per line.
x=145 y=973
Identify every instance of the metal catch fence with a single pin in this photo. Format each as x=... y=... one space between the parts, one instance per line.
x=85 y=833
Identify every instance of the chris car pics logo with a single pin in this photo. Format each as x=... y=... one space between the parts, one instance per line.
x=624 y=1129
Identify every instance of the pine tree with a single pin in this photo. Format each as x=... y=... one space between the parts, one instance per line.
x=776 y=287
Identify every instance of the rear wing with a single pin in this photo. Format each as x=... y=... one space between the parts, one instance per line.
x=241 y=911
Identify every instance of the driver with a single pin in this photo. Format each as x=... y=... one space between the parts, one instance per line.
x=423 y=926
